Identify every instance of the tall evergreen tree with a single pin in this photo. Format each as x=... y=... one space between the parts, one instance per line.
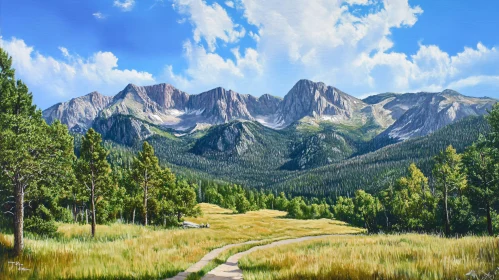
x=449 y=179
x=483 y=176
x=30 y=150
x=147 y=174
x=93 y=170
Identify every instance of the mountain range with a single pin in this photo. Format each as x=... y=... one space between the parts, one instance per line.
x=267 y=141
x=398 y=116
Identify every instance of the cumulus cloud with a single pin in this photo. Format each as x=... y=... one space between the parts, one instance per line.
x=207 y=69
x=431 y=69
x=330 y=41
x=229 y=4
x=210 y=22
x=124 y=5
x=52 y=79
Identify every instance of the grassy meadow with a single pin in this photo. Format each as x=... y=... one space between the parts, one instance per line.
x=131 y=251
x=406 y=256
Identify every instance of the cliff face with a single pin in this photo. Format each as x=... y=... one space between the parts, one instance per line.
x=431 y=111
x=316 y=100
x=78 y=113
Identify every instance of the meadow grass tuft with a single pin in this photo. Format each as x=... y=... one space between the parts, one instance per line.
x=407 y=256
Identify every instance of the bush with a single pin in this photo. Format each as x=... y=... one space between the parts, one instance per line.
x=40 y=227
x=42 y=223
x=63 y=215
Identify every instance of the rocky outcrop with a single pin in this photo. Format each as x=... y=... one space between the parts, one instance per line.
x=234 y=138
x=220 y=106
x=424 y=113
x=121 y=129
x=316 y=100
x=78 y=113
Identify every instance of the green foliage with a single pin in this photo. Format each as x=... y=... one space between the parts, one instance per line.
x=450 y=180
x=32 y=153
x=362 y=210
x=94 y=174
x=42 y=223
x=183 y=197
x=242 y=203
x=412 y=202
x=147 y=175
x=482 y=168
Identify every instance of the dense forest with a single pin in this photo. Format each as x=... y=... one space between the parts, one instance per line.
x=460 y=196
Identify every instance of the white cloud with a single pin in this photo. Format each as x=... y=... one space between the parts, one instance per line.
x=330 y=41
x=99 y=15
x=255 y=36
x=431 y=69
x=229 y=4
x=64 y=51
x=207 y=69
x=51 y=79
x=210 y=22
x=124 y=5
x=475 y=81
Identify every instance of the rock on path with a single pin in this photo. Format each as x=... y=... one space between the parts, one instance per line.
x=230 y=269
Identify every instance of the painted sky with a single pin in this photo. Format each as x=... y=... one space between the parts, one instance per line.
x=67 y=48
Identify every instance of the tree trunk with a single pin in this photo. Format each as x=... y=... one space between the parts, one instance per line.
x=19 y=220
x=133 y=216
x=179 y=216
x=145 y=205
x=489 y=221
x=86 y=216
x=75 y=214
x=447 y=220
x=146 y=181
x=92 y=195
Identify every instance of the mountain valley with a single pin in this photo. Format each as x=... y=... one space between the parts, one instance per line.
x=282 y=143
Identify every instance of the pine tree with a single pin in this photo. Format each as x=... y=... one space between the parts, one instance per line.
x=93 y=171
x=184 y=202
x=31 y=152
x=449 y=179
x=483 y=176
x=147 y=174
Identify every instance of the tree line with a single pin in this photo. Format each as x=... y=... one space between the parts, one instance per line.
x=242 y=199
x=461 y=196
x=42 y=180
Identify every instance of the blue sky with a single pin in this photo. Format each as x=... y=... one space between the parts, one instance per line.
x=67 y=48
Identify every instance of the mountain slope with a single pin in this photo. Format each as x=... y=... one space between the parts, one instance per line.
x=78 y=113
x=430 y=112
x=375 y=170
x=316 y=100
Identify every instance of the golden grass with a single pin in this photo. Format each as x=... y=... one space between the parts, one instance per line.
x=408 y=256
x=131 y=252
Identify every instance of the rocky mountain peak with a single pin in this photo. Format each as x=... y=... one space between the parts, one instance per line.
x=400 y=116
x=317 y=100
x=78 y=113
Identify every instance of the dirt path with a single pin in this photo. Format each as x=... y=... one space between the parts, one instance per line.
x=206 y=259
x=230 y=270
